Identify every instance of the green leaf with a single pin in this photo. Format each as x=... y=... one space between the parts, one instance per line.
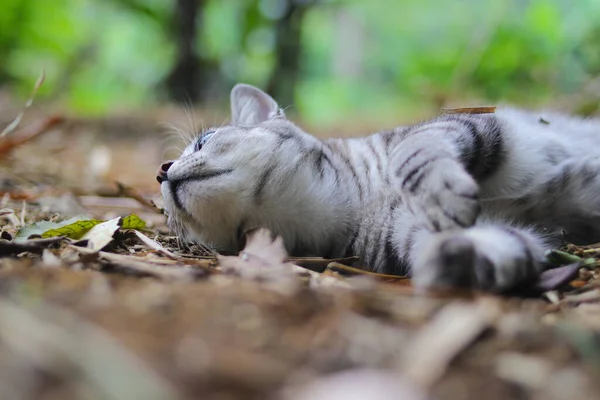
x=132 y=221
x=39 y=228
x=76 y=230
x=558 y=257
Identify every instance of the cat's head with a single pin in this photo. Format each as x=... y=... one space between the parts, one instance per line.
x=259 y=171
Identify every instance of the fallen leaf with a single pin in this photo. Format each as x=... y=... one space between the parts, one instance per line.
x=260 y=244
x=439 y=342
x=356 y=385
x=132 y=221
x=262 y=259
x=42 y=227
x=558 y=257
x=74 y=230
x=470 y=110
x=100 y=235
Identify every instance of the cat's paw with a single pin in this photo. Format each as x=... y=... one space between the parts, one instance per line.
x=445 y=193
x=482 y=259
x=447 y=262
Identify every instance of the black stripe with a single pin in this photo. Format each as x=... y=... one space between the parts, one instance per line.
x=388 y=138
x=319 y=156
x=376 y=252
x=239 y=232
x=284 y=136
x=304 y=155
x=472 y=154
x=262 y=181
x=389 y=250
x=558 y=183
x=588 y=174
x=367 y=167
x=486 y=153
x=174 y=185
x=353 y=173
x=376 y=155
x=413 y=188
x=350 y=248
x=409 y=242
x=416 y=169
x=496 y=154
x=327 y=159
x=413 y=155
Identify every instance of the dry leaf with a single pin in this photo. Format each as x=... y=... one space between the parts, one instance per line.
x=262 y=259
x=260 y=244
x=439 y=342
x=470 y=110
x=356 y=385
x=102 y=234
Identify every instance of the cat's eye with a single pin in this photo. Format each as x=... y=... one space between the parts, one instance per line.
x=202 y=140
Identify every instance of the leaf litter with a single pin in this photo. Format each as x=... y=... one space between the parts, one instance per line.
x=110 y=305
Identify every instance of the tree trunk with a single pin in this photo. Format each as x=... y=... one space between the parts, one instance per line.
x=288 y=53
x=185 y=81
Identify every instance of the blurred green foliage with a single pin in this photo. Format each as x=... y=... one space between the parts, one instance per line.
x=371 y=58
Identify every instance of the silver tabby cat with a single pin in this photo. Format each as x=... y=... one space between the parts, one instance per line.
x=461 y=200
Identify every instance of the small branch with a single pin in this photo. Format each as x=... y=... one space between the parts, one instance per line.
x=7 y=144
x=127 y=191
x=36 y=245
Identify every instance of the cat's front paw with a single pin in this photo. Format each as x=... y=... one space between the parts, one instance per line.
x=490 y=259
x=446 y=194
x=447 y=262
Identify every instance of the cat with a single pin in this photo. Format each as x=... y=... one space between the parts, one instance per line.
x=462 y=200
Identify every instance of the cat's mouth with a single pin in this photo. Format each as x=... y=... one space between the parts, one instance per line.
x=171 y=194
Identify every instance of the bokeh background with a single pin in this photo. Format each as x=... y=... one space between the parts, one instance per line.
x=137 y=70
x=128 y=78
x=327 y=60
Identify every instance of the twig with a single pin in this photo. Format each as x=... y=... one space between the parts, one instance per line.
x=154 y=245
x=136 y=264
x=8 y=248
x=127 y=191
x=23 y=212
x=13 y=125
x=338 y=267
x=29 y=133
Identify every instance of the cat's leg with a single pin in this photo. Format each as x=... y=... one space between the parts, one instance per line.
x=438 y=164
x=440 y=188
x=489 y=257
x=569 y=200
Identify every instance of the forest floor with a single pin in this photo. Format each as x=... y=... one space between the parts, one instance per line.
x=140 y=316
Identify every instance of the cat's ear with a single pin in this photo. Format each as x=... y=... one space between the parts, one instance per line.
x=251 y=106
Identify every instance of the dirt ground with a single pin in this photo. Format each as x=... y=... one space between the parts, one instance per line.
x=145 y=317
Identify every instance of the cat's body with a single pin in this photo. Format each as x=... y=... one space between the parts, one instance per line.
x=463 y=199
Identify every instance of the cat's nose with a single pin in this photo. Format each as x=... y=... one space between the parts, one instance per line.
x=161 y=174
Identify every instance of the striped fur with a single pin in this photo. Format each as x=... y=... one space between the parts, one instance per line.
x=460 y=200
